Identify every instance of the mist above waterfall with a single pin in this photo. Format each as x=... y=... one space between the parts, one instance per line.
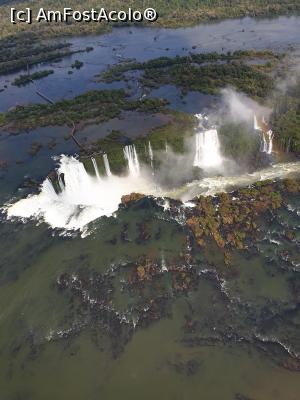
x=236 y=107
x=290 y=79
x=201 y=157
x=82 y=198
x=244 y=145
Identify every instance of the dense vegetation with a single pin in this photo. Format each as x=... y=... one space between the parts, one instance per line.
x=173 y=133
x=21 y=51
x=231 y=219
x=238 y=141
x=172 y=13
x=206 y=73
x=285 y=119
x=241 y=144
x=23 y=80
x=117 y=72
x=209 y=79
x=93 y=106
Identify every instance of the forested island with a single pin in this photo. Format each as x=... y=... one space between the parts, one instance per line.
x=23 y=80
x=206 y=73
x=23 y=51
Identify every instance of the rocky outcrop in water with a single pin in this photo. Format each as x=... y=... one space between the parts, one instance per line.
x=230 y=220
x=131 y=198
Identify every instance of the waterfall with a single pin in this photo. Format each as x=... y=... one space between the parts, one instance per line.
x=132 y=159
x=61 y=183
x=270 y=141
x=150 y=151
x=96 y=168
x=264 y=147
x=47 y=187
x=266 y=135
x=84 y=199
x=106 y=165
x=77 y=181
x=256 y=126
x=208 y=153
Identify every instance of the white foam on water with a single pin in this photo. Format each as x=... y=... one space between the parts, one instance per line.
x=82 y=199
x=85 y=198
x=217 y=184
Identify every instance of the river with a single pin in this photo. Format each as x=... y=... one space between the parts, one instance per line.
x=73 y=325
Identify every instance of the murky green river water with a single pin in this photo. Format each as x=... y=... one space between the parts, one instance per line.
x=72 y=326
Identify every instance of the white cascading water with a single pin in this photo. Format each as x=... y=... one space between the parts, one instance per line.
x=82 y=199
x=267 y=142
x=60 y=182
x=256 y=126
x=208 y=150
x=217 y=184
x=85 y=198
x=266 y=137
x=270 y=141
x=150 y=151
x=106 y=165
x=264 y=144
x=132 y=159
x=96 y=168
